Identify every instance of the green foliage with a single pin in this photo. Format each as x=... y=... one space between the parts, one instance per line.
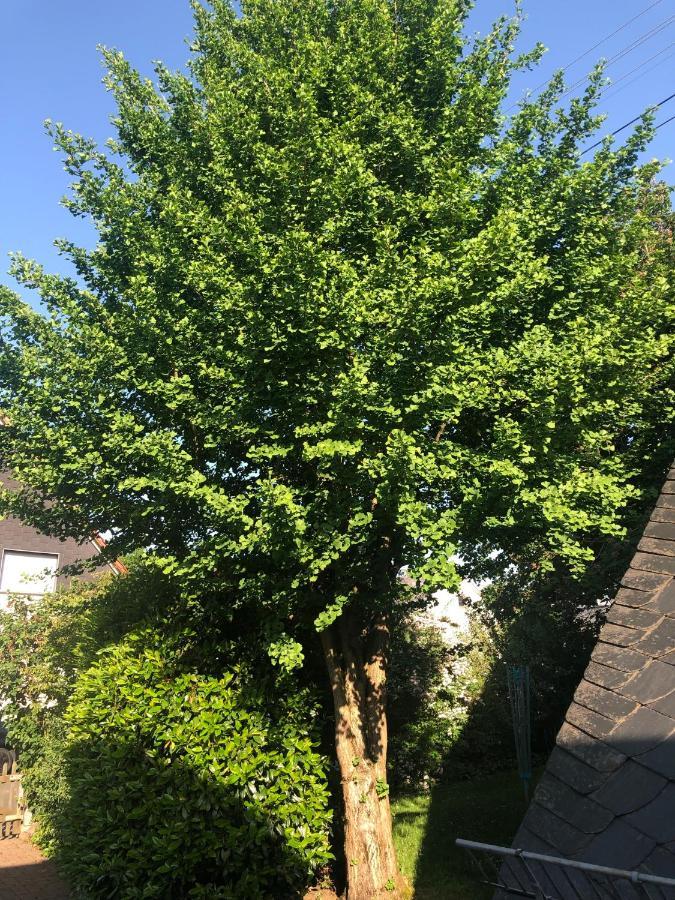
x=155 y=754
x=434 y=690
x=342 y=315
x=45 y=644
x=185 y=785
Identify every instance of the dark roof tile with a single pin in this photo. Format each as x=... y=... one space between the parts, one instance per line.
x=589 y=721
x=607 y=703
x=618 y=657
x=666 y=705
x=618 y=614
x=643 y=581
x=641 y=731
x=663 y=514
x=660 y=641
x=654 y=562
x=580 y=812
x=574 y=772
x=657 y=818
x=665 y=531
x=631 y=597
x=605 y=676
x=663 y=600
x=618 y=634
x=662 y=758
x=629 y=788
x=554 y=830
x=619 y=845
x=656 y=680
x=660 y=862
x=657 y=545
x=593 y=752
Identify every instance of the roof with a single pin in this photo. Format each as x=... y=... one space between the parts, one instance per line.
x=607 y=795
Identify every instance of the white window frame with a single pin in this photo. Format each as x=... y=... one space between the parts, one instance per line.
x=4 y=595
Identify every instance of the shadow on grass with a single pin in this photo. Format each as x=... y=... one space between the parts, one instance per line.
x=488 y=808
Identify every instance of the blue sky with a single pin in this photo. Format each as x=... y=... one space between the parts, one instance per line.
x=49 y=68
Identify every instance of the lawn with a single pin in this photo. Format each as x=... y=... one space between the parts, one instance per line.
x=488 y=809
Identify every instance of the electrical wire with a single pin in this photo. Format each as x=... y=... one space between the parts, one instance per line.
x=599 y=44
x=611 y=92
x=632 y=121
x=638 y=42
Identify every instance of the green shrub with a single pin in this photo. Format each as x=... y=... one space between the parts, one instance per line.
x=186 y=785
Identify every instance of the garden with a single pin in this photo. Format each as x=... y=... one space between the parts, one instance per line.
x=348 y=337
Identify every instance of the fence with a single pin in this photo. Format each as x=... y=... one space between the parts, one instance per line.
x=10 y=795
x=520 y=873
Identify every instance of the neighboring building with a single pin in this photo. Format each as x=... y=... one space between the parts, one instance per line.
x=607 y=795
x=31 y=562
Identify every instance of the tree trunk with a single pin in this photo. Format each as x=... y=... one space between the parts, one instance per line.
x=356 y=664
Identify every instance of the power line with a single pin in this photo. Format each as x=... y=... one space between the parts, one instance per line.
x=599 y=43
x=625 y=51
x=628 y=124
x=611 y=92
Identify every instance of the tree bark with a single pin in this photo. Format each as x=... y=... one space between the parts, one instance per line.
x=356 y=660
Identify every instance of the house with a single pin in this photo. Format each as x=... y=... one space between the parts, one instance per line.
x=31 y=562
x=607 y=795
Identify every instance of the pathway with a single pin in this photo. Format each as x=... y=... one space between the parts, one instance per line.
x=26 y=875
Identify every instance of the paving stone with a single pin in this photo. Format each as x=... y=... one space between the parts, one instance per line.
x=666 y=500
x=656 y=680
x=591 y=751
x=654 y=562
x=665 y=531
x=668 y=487
x=668 y=658
x=589 y=721
x=641 y=731
x=26 y=875
x=631 y=617
x=575 y=773
x=618 y=657
x=578 y=811
x=607 y=703
x=629 y=788
x=605 y=676
x=657 y=818
x=619 y=843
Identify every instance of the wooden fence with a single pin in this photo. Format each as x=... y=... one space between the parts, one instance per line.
x=11 y=812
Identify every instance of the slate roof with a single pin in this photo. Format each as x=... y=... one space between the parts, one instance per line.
x=607 y=795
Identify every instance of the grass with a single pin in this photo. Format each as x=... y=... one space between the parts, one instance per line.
x=487 y=809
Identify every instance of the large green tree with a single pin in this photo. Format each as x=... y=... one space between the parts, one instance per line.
x=343 y=316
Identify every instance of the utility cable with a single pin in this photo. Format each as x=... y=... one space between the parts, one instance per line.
x=599 y=44
x=611 y=92
x=632 y=121
x=624 y=52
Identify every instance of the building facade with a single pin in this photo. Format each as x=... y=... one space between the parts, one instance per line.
x=31 y=563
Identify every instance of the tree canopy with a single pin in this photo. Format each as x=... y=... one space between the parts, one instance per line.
x=343 y=315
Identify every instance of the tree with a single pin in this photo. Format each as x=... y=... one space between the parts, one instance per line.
x=342 y=316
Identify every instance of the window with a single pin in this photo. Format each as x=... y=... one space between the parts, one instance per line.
x=27 y=573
